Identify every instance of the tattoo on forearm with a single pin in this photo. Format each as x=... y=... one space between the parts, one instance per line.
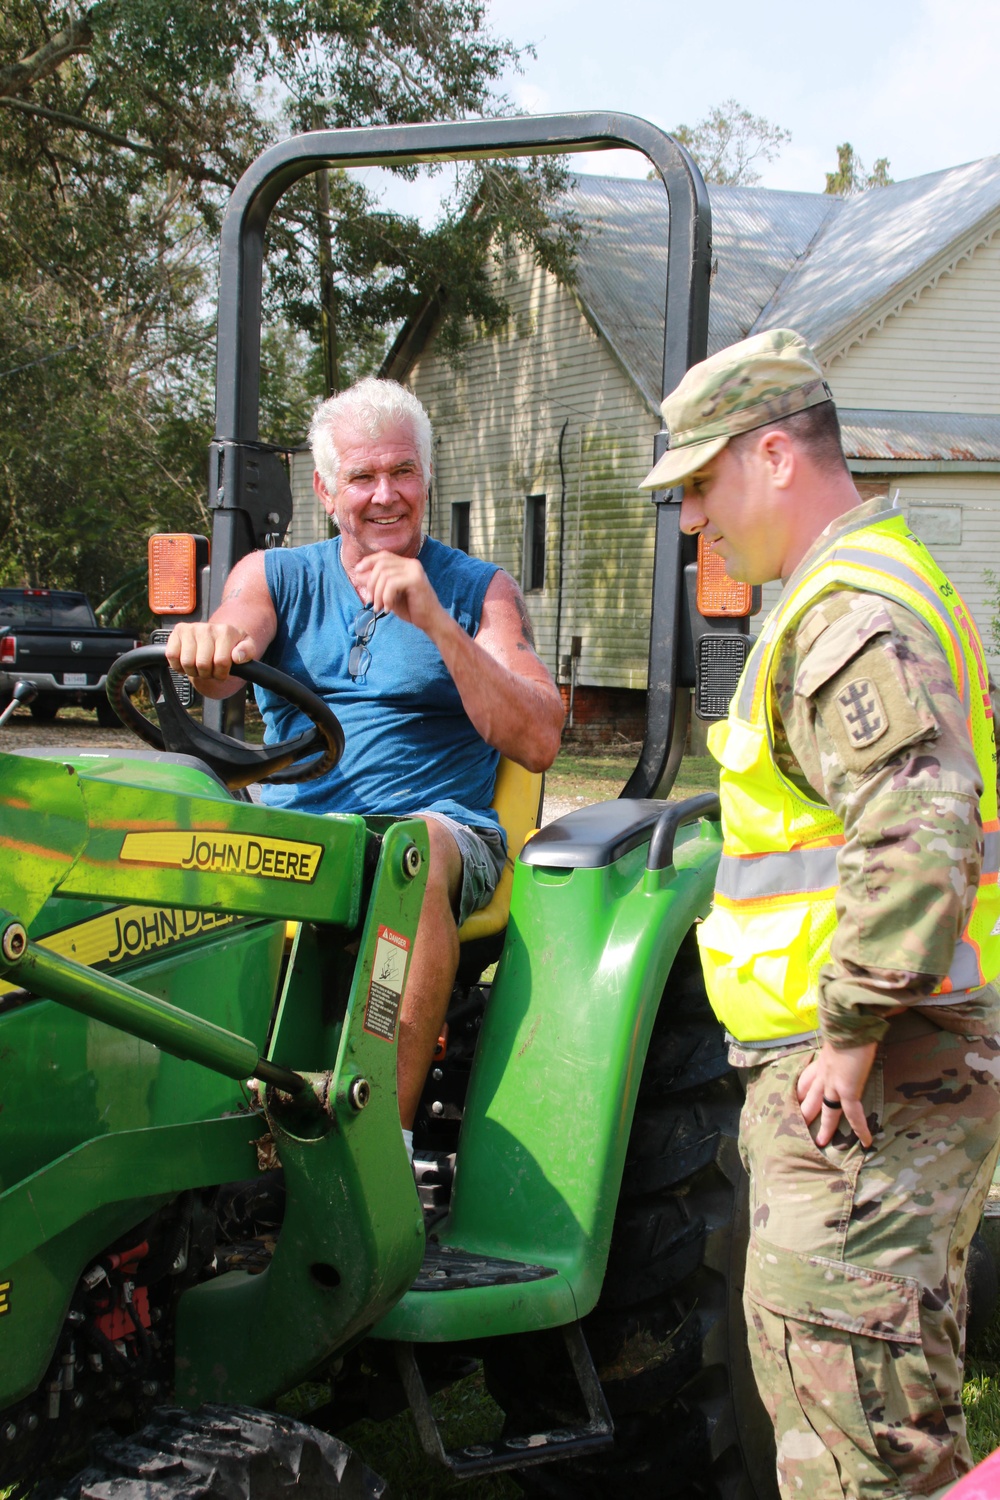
x=526 y=631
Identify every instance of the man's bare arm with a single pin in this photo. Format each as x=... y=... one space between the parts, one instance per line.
x=506 y=690
x=240 y=630
x=514 y=704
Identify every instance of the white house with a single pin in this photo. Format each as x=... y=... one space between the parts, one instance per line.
x=543 y=433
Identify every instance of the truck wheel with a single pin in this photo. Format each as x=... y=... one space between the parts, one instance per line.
x=106 y=716
x=219 y=1451
x=668 y=1334
x=44 y=709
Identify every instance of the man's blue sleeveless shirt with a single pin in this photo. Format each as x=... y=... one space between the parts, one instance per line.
x=409 y=745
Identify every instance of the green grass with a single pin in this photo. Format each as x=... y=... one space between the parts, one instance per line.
x=597 y=776
x=981 y=1399
x=465 y=1414
x=981 y=1393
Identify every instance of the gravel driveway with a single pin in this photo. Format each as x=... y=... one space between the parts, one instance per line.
x=74 y=727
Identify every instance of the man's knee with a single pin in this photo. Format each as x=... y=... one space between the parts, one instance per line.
x=444 y=868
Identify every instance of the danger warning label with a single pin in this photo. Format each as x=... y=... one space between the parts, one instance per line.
x=388 y=972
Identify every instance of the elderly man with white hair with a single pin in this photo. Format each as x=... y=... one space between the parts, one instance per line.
x=425 y=654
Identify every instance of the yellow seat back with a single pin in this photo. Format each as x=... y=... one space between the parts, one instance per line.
x=517 y=800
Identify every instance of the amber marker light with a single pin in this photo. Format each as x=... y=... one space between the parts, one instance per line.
x=173 y=573
x=719 y=595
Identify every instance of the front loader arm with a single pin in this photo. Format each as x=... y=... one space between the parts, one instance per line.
x=73 y=831
x=324 y=1075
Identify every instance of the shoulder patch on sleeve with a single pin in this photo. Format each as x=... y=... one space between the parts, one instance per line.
x=862 y=712
x=841 y=641
x=867 y=712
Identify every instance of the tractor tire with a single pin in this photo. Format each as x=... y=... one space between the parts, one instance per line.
x=220 y=1453
x=668 y=1335
x=983 y=1289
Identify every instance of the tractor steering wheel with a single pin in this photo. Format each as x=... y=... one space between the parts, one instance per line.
x=235 y=763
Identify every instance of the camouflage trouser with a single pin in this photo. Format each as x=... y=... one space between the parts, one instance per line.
x=855 y=1286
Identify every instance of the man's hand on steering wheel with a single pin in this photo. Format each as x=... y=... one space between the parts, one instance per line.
x=307 y=755
x=206 y=651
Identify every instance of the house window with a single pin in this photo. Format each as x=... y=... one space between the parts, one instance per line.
x=460 y=524
x=534 y=542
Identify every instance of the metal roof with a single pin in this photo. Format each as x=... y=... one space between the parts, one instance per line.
x=758 y=234
x=920 y=436
x=877 y=243
x=807 y=261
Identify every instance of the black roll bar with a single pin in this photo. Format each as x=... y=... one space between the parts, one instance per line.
x=250 y=501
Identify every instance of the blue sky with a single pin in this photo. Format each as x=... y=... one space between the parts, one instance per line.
x=917 y=81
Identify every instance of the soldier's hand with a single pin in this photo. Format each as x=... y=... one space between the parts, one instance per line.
x=206 y=651
x=831 y=1085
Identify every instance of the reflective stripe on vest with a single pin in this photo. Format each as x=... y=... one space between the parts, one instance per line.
x=772 y=922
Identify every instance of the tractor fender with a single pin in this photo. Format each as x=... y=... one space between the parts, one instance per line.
x=585 y=968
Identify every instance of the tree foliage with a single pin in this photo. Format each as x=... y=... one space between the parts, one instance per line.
x=123 y=128
x=851 y=175
x=729 y=141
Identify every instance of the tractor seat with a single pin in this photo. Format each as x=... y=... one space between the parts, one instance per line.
x=517 y=800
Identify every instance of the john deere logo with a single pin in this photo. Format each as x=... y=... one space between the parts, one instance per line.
x=76 y=646
x=231 y=853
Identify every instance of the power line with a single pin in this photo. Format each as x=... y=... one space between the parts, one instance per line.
x=56 y=354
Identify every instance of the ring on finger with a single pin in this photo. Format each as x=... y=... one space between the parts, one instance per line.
x=832 y=1103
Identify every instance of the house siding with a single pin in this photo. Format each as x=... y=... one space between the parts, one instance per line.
x=309 y=522
x=498 y=413
x=939 y=353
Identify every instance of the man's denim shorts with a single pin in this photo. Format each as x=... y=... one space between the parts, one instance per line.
x=483 y=852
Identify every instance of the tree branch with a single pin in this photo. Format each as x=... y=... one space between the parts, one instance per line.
x=195 y=170
x=75 y=38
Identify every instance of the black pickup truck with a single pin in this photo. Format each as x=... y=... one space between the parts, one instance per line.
x=51 y=637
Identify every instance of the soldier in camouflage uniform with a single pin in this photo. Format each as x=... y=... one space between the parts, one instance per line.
x=871 y=1139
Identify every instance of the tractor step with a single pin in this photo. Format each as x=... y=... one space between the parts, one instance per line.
x=447 y=1269
x=514 y=1450
x=434 y=1172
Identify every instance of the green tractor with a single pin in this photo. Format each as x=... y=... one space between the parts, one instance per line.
x=205 y=1200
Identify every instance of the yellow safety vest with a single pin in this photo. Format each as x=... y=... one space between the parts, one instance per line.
x=769 y=931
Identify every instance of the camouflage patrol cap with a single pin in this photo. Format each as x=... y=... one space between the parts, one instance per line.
x=748 y=385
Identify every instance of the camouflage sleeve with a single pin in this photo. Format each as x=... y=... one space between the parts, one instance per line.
x=868 y=719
